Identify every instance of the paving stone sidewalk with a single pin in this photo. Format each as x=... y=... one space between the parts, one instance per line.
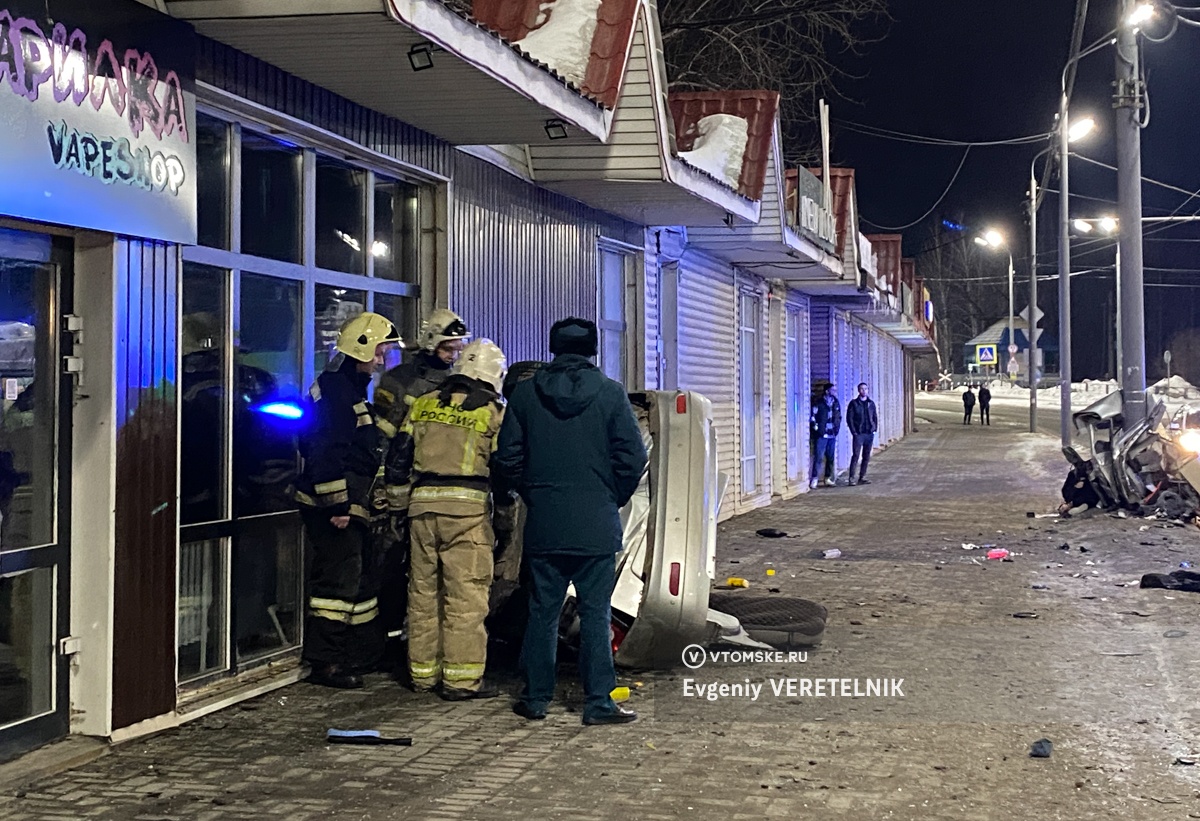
x=1092 y=672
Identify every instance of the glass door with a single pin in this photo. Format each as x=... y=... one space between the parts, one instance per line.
x=34 y=504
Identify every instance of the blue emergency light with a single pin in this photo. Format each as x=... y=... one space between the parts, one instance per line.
x=281 y=410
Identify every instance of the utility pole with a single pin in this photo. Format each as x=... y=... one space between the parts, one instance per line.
x=1064 y=275
x=1033 y=301
x=1128 y=103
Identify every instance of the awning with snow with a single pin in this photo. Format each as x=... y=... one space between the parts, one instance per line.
x=637 y=173
x=750 y=155
x=477 y=88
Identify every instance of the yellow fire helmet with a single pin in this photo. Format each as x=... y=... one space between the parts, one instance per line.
x=483 y=360
x=361 y=335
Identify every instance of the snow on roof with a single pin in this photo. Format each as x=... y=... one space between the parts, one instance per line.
x=758 y=108
x=719 y=147
x=563 y=39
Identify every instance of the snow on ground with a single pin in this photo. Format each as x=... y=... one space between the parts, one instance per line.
x=564 y=41
x=720 y=148
x=1177 y=393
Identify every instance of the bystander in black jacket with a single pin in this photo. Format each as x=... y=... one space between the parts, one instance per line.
x=862 y=416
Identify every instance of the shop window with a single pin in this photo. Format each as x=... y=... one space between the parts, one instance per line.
x=204 y=413
x=272 y=198
x=203 y=646
x=394 y=248
x=267 y=580
x=268 y=378
x=749 y=378
x=796 y=412
x=29 y=378
x=614 y=267
x=212 y=172
x=26 y=645
x=334 y=308
x=402 y=311
x=341 y=218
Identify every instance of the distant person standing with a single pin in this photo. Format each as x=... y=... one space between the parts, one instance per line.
x=968 y=405
x=985 y=406
x=825 y=421
x=862 y=418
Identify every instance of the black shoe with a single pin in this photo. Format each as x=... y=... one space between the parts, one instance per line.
x=864 y=481
x=331 y=675
x=457 y=694
x=617 y=716
x=525 y=711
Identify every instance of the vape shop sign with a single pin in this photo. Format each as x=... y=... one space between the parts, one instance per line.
x=98 y=117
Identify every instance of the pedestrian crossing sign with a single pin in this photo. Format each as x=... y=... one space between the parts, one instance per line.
x=985 y=355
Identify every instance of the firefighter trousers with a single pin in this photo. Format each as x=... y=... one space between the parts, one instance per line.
x=450 y=576
x=343 y=626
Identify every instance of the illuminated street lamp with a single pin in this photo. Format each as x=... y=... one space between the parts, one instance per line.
x=1142 y=13
x=994 y=239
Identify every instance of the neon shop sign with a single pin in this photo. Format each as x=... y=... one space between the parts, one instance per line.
x=126 y=86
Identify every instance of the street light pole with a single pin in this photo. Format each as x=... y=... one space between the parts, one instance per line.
x=1064 y=276
x=1033 y=300
x=1012 y=339
x=1128 y=104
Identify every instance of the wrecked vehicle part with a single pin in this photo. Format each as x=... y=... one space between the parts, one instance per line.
x=725 y=629
x=667 y=567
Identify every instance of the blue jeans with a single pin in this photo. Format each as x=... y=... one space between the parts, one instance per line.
x=547 y=578
x=824 y=450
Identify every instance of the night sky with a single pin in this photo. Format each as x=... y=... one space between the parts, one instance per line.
x=972 y=70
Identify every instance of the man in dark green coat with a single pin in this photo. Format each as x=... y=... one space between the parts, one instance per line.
x=571 y=446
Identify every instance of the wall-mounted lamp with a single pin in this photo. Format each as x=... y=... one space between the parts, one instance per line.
x=556 y=129
x=420 y=56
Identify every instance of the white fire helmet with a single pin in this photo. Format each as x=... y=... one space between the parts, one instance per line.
x=483 y=360
x=443 y=325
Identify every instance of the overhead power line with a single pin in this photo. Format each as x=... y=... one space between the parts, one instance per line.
x=933 y=207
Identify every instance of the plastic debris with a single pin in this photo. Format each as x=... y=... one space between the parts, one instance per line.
x=1025 y=615
x=733 y=581
x=998 y=553
x=619 y=694
x=771 y=533
x=374 y=737
x=1185 y=565
x=1041 y=748
x=832 y=554
x=969 y=546
x=770 y=571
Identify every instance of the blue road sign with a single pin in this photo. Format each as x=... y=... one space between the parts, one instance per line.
x=986 y=355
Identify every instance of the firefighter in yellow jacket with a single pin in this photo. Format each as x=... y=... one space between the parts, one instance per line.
x=342 y=500
x=446 y=444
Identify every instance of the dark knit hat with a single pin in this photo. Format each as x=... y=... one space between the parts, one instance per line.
x=574 y=336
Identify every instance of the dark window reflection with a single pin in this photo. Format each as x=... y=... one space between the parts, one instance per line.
x=212 y=173
x=403 y=313
x=28 y=381
x=267 y=578
x=341 y=220
x=334 y=308
x=26 y=644
x=395 y=245
x=268 y=376
x=203 y=447
x=272 y=200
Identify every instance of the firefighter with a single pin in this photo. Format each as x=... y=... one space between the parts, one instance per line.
x=341 y=500
x=447 y=443
x=441 y=338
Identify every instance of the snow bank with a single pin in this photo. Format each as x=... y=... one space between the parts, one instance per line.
x=1175 y=388
x=720 y=148
x=564 y=39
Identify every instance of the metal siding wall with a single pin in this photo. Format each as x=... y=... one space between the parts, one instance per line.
x=821 y=341
x=521 y=257
x=708 y=355
x=238 y=73
x=146 y=481
x=801 y=383
x=843 y=370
